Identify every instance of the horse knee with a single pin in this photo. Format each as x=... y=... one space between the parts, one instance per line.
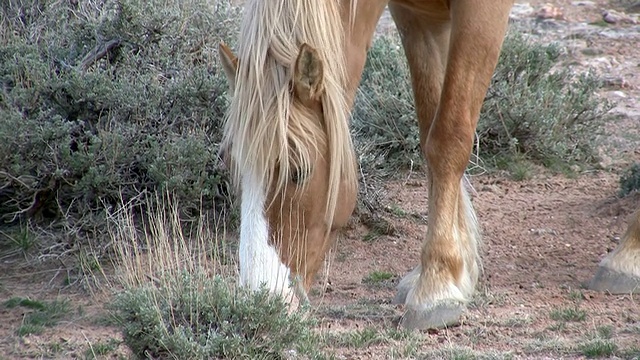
x=448 y=152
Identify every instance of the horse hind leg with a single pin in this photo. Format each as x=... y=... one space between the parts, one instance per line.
x=619 y=272
x=451 y=63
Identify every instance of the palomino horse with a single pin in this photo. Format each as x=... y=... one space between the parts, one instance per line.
x=287 y=139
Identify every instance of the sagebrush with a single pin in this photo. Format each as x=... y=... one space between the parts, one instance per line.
x=181 y=300
x=630 y=180
x=535 y=110
x=214 y=320
x=109 y=101
x=104 y=101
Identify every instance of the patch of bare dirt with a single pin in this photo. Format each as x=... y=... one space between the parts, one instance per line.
x=542 y=239
x=84 y=331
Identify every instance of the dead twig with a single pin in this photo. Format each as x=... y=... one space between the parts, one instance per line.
x=100 y=51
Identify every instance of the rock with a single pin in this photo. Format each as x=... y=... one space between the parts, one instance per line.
x=601 y=64
x=583 y=3
x=519 y=11
x=489 y=188
x=633 y=8
x=549 y=11
x=617 y=17
x=613 y=81
x=592 y=51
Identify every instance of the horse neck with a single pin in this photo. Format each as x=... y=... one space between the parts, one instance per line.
x=359 y=30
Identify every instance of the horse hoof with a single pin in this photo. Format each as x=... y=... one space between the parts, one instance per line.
x=441 y=315
x=407 y=283
x=614 y=282
x=401 y=295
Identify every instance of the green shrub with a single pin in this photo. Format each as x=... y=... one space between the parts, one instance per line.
x=630 y=180
x=534 y=111
x=179 y=298
x=216 y=320
x=537 y=110
x=384 y=123
x=82 y=129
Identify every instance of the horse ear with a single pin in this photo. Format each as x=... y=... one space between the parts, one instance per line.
x=229 y=63
x=308 y=74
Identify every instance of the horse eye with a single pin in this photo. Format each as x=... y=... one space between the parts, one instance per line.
x=298 y=176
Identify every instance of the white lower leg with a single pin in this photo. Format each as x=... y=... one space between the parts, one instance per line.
x=260 y=264
x=433 y=295
x=470 y=243
x=424 y=287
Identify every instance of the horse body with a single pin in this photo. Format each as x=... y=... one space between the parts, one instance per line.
x=298 y=67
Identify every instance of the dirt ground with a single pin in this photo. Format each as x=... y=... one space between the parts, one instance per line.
x=543 y=238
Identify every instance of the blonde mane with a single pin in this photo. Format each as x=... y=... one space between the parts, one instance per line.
x=259 y=132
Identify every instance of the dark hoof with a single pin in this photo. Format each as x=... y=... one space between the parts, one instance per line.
x=614 y=282
x=441 y=315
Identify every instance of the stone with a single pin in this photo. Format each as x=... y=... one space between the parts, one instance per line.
x=617 y=17
x=549 y=11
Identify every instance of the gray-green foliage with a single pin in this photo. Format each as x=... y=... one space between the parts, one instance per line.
x=537 y=108
x=213 y=321
x=384 y=121
x=77 y=135
x=630 y=180
x=534 y=110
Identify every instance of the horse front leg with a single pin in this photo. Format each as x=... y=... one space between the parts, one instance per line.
x=451 y=57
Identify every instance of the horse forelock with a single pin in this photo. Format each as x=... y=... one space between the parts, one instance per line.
x=260 y=133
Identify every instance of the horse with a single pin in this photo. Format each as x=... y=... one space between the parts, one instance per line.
x=619 y=271
x=287 y=143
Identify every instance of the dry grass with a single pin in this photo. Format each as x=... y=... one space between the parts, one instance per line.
x=177 y=294
x=159 y=247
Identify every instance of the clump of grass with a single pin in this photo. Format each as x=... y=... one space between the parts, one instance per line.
x=576 y=296
x=605 y=331
x=42 y=314
x=407 y=343
x=544 y=345
x=630 y=180
x=455 y=352
x=180 y=301
x=377 y=277
x=101 y=349
x=573 y=314
x=598 y=348
x=20 y=240
x=360 y=338
x=371 y=236
x=397 y=211
x=377 y=224
x=519 y=167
